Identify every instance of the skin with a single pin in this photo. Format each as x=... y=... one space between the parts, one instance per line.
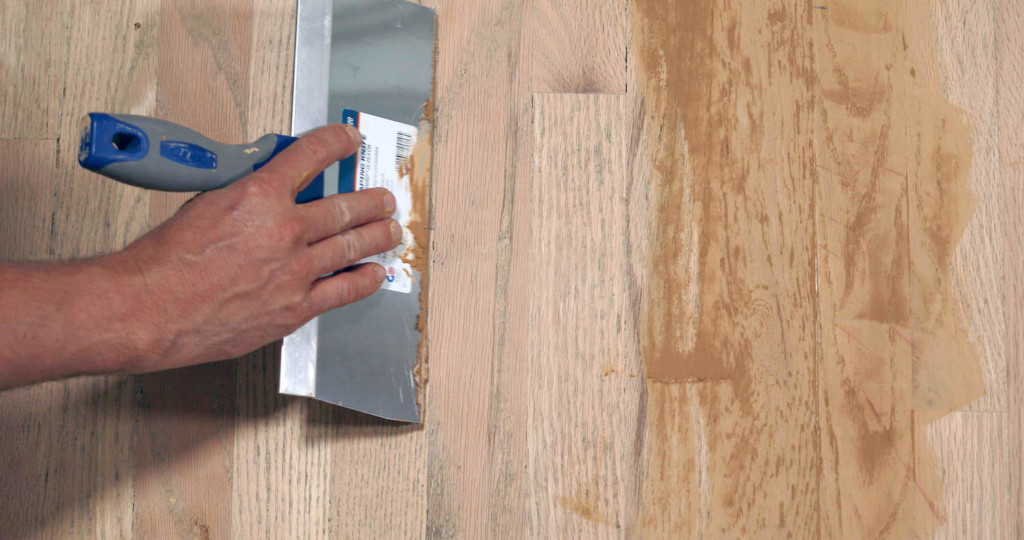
x=233 y=270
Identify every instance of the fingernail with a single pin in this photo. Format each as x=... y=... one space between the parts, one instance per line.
x=389 y=203
x=396 y=231
x=378 y=272
x=354 y=133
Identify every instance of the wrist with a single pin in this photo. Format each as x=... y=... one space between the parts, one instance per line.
x=127 y=302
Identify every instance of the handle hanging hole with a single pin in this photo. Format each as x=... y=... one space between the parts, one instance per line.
x=126 y=142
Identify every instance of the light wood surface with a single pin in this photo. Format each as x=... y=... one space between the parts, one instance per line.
x=540 y=420
x=1010 y=115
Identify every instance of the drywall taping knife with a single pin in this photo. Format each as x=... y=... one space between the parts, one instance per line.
x=156 y=154
x=375 y=57
x=368 y=63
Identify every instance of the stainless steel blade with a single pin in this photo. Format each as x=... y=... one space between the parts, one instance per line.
x=375 y=56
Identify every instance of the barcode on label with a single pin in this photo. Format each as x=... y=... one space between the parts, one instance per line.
x=403 y=145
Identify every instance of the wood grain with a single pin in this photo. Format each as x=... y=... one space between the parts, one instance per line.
x=872 y=327
x=582 y=460
x=889 y=334
x=475 y=398
x=90 y=215
x=731 y=303
x=1010 y=96
x=26 y=183
x=33 y=64
x=279 y=478
x=67 y=461
x=972 y=453
x=578 y=47
x=540 y=420
x=966 y=53
x=378 y=475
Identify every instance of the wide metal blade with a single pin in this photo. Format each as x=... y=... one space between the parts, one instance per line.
x=374 y=56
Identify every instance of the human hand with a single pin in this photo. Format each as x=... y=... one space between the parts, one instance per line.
x=241 y=267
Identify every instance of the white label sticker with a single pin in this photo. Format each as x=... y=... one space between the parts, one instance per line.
x=380 y=162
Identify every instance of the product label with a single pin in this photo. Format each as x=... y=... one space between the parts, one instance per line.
x=381 y=162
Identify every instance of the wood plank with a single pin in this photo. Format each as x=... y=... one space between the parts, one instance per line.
x=579 y=46
x=972 y=453
x=966 y=52
x=892 y=161
x=507 y=411
x=671 y=402
x=271 y=69
x=280 y=475
x=509 y=344
x=31 y=504
x=583 y=405
x=476 y=393
x=203 y=71
x=730 y=330
x=183 y=450
x=1010 y=42
x=867 y=149
x=507 y=421
x=970 y=447
x=34 y=42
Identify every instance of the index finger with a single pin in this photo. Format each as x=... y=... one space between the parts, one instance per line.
x=307 y=157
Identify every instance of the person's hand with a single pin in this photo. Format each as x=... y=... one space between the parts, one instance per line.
x=240 y=267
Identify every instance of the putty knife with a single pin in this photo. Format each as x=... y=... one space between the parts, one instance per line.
x=355 y=59
x=376 y=57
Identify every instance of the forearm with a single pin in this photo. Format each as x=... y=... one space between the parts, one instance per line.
x=64 y=319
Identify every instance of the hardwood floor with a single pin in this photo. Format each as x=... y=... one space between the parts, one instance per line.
x=694 y=273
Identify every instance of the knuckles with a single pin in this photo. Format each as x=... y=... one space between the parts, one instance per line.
x=376 y=200
x=342 y=213
x=348 y=249
x=254 y=189
x=341 y=295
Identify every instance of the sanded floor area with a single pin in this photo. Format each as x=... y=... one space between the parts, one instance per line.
x=696 y=272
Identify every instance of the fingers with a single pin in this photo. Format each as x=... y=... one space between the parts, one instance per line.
x=339 y=213
x=297 y=165
x=343 y=250
x=348 y=287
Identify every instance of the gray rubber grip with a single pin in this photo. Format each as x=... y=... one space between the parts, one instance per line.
x=157 y=172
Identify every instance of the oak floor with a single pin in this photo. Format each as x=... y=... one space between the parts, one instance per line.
x=537 y=397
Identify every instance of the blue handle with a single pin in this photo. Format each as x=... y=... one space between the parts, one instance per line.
x=156 y=154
